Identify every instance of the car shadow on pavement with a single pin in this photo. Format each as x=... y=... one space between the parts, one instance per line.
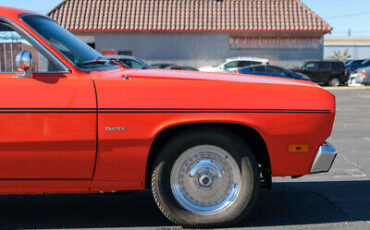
x=289 y=203
x=302 y=203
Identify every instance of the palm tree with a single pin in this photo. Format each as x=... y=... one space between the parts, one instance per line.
x=341 y=56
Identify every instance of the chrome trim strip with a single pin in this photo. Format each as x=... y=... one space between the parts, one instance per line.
x=38 y=45
x=324 y=159
x=153 y=110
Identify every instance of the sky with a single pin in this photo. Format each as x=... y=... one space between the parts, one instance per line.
x=343 y=15
x=340 y=14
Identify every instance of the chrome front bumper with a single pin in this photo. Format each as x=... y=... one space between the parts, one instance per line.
x=324 y=159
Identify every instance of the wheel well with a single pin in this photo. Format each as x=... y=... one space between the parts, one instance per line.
x=338 y=76
x=251 y=136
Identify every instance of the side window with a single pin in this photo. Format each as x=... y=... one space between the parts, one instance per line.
x=11 y=43
x=324 y=66
x=132 y=64
x=337 y=66
x=232 y=64
x=311 y=66
x=176 y=67
x=255 y=63
x=247 y=63
x=244 y=63
x=260 y=69
x=272 y=69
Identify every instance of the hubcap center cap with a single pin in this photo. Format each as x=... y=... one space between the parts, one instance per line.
x=205 y=180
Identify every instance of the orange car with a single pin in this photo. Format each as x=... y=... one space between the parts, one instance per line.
x=205 y=143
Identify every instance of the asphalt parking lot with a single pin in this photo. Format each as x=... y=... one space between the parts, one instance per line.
x=339 y=199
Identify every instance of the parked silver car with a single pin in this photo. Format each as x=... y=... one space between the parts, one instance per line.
x=360 y=77
x=232 y=64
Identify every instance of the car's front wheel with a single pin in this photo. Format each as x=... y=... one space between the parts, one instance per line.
x=205 y=178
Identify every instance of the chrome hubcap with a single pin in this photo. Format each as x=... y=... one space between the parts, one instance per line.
x=205 y=180
x=335 y=82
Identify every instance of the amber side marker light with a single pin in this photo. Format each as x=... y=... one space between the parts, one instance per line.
x=298 y=148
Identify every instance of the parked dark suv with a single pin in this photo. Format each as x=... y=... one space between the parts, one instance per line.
x=325 y=72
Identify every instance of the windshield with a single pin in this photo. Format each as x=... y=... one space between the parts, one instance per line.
x=78 y=52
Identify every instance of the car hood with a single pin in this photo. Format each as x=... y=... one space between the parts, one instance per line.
x=191 y=89
x=195 y=75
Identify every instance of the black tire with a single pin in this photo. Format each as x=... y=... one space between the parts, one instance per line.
x=222 y=138
x=334 y=82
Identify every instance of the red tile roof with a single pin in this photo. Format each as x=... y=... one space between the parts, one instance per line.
x=188 y=16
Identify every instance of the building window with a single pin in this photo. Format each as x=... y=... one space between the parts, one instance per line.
x=125 y=52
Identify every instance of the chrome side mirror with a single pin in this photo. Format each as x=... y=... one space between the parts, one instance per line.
x=24 y=63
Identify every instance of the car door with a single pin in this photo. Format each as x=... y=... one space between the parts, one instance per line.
x=48 y=120
x=324 y=71
x=259 y=70
x=311 y=69
x=338 y=71
x=275 y=71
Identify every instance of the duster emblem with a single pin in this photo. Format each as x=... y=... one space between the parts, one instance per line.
x=115 y=129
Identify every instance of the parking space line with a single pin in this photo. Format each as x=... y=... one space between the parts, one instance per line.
x=353 y=163
x=355 y=173
x=347 y=88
